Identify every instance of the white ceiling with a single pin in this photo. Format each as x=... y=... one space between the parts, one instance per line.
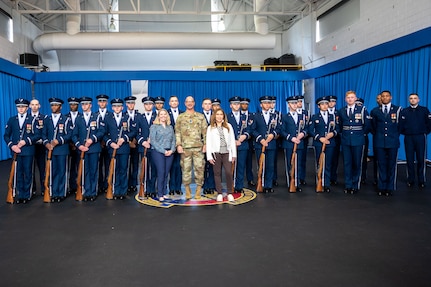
x=164 y=15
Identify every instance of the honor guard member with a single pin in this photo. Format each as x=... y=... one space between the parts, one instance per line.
x=240 y=127
x=190 y=134
x=332 y=109
x=209 y=182
x=293 y=130
x=134 y=150
x=264 y=130
x=40 y=150
x=144 y=124
x=56 y=137
x=360 y=103
x=87 y=136
x=354 y=123
x=117 y=136
x=215 y=104
x=323 y=129
x=415 y=125
x=102 y=102
x=245 y=103
x=384 y=122
x=277 y=138
x=175 y=172
x=375 y=167
x=302 y=163
x=73 y=160
x=21 y=133
x=159 y=103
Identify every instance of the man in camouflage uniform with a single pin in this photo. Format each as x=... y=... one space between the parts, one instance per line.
x=190 y=132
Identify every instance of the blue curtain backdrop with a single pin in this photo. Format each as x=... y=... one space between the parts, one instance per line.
x=64 y=90
x=402 y=74
x=11 y=88
x=225 y=90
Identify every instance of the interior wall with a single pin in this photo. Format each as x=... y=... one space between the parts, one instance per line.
x=75 y=60
x=379 y=22
x=23 y=32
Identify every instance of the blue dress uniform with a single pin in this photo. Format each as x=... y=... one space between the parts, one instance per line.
x=319 y=126
x=353 y=126
x=290 y=129
x=384 y=122
x=22 y=127
x=260 y=129
x=240 y=127
x=250 y=153
x=73 y=153
x=303 y=163
x=335 y=157
x=134 y=150
x=143 y=129
x=415 y=124
x=114 y=131
x=104 y=158
x=39 y=152
x=209 y=183
x=94 y=129
x=58 y=127
x=175 y=175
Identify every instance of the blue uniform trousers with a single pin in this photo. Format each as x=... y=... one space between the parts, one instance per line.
x=163 y=166
x=335 y=158
x=288 y=162
x=387 y=166
x=241 y=161
x=24 y=176
x=133 y=166
x=120 y=174
x=249 y=165
x=269 y=166
x=415 y=146
x=329 y=154
x=90 y=171
x=58 y=175
x=104 y=160
x=352 y=165
x=151 y=174
x=73 y=168
x=209 y=182
x=39 y=162
x=302 y=164
x=175 y=178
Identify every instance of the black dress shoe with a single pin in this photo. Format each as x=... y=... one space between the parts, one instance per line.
x=353 y=191
x=274 y=183
x=302 y=182
x=178 y=192
x=238 y=190
x=422 y=185
x=171 y=192
x=388 y=193
x=270 y=190
x=380 y=192
x=410 y=184
x=347 y=190
x=251 y=183
x=326 y=189
x=334 y=182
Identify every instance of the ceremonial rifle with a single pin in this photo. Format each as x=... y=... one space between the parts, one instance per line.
x=12 y=175
x=261 y=170
x=143 y=175
x=109 y=191
x=319 y=184
x=79 y=181
x=47 y=182
x=293 y=162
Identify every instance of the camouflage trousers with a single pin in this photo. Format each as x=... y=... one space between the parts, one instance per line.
x=193 y=157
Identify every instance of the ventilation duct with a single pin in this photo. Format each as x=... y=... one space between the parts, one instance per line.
x=261 y=22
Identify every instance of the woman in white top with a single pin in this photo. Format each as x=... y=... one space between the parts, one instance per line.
x=221 y=151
